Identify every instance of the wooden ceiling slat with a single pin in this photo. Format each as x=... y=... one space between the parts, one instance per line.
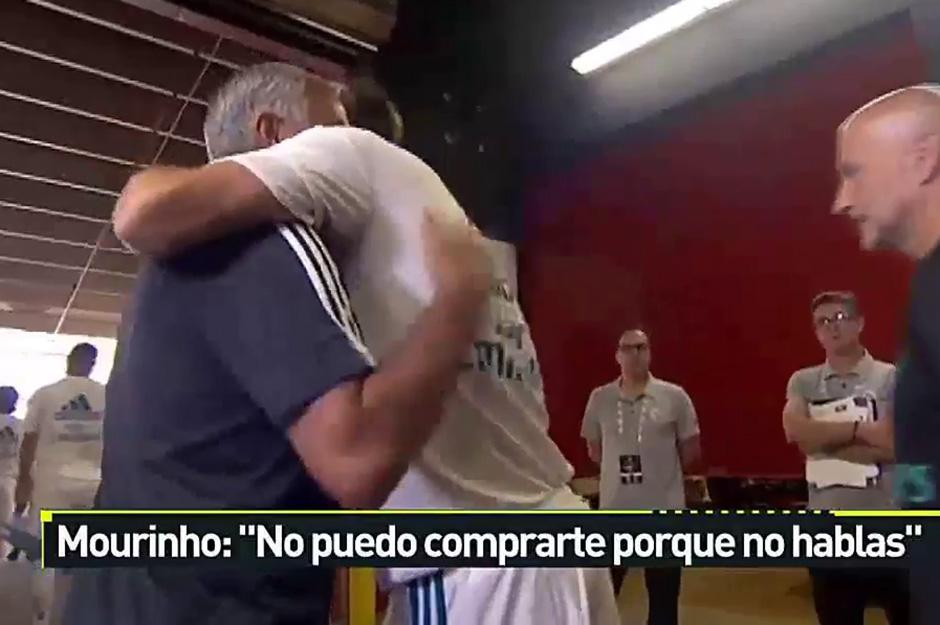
x=54 y=34
x=212 y=80
x=360 y=19
x=86 y=300
x=51 y=126
x=57 y=198
x=107 y=283
x=31 y=322
x=49 y=163
x=37 y=273
x=111 y=241
x=58 y=253
x=42 y=80
x=244 y=56
x=143 y=21
x=20 y=295
x=46 y=322
x=68 y=255
x=183 y=155
x=41 y=224
x=190 y=122
x=84 y=327
x=115 y=261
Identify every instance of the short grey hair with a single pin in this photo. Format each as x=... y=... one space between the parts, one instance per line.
x=277 y=88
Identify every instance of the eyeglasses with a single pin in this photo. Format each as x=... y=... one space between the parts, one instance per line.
x=838 y=318
x=637 y=348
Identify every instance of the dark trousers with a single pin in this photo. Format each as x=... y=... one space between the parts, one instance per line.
x=662 y=589
x=841 y=595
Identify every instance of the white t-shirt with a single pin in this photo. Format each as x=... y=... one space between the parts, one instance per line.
x=68 y=417
x=368 y=198
x=10 y=432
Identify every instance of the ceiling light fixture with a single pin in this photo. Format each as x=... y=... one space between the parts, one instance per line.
x=667 y=21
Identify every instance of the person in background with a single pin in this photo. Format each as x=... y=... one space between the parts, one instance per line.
x=9 y=447
x=888 y=161
x=60 y=457
x=644 y=433
x=841 y=595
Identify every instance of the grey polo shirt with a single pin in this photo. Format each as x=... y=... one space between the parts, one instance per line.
x=821 y=383
x=640 y=464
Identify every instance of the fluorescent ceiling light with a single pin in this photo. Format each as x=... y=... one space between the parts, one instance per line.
x=668 y=20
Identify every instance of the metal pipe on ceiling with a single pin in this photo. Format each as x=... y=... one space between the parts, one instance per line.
x=52 y=265
x=58 y=183
x=52 y=6
x=43 y=239
x=99 y=72
x=51 y=212
x=96 y=116
x=68 y=150
x=262 y=29
x=156 y=159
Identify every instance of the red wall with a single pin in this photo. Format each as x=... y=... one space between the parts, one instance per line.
x=715 y=234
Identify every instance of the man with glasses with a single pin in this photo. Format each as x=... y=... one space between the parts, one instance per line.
x=841 y=595
x=644 y=434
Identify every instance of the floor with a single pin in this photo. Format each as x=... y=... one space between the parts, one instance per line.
x=734 y=597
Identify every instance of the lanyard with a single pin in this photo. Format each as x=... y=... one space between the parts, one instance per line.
x=644 y=413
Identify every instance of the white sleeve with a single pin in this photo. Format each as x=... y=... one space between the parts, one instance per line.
x=34 y=412
x=323 y=176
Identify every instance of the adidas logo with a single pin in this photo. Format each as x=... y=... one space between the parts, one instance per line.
x=80 y=402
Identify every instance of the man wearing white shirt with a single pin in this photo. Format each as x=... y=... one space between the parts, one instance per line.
x=849 y=371
x=9 y=447
x=366 y=196
x=60 y=457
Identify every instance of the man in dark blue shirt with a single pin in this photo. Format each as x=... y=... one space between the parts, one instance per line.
x=889 y=167
x=242 y=383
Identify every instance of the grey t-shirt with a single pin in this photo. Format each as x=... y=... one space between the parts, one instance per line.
x=640 y=464
x=821 y=383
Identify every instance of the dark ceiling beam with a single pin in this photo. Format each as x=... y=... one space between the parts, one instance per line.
x=263 y=28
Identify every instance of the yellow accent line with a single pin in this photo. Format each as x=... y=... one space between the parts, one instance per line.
x=42 y=539
x=362 y=606
x=46 y=515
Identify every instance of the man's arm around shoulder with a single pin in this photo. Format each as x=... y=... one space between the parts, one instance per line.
x=163 y=210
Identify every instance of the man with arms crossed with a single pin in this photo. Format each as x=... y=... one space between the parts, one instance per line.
x=841 y=595
x=366 y=196
x=644 y=434
x=242 y=383
x=888 y=160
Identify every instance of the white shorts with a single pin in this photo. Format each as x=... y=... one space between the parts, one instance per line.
x=506 y=597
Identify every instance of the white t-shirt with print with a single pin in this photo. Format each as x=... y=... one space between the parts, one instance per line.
x=10 y=436
x=68 y=418
x=368 y=198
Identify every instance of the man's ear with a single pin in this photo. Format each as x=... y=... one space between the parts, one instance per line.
x=268 y=128
x=926 y=158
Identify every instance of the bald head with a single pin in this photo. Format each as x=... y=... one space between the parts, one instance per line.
x=888 y=153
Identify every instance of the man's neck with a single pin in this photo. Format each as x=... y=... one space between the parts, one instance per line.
x=844 y=363
x=633 y=385
x=927 y=233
